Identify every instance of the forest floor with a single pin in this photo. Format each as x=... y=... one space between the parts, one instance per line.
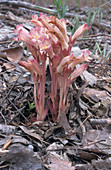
x=30 y=145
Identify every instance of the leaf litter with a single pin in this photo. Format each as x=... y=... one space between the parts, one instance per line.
x=82 y=142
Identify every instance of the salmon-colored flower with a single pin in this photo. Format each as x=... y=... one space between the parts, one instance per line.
x=86 y=54
x=79 y=59
x=80 y=31
x=35 y=21
x=23 y=34
x=77 y=72
x=65 y=61
x=53 y=28
x=32 y=66
x=27 y=65
x=61 y=25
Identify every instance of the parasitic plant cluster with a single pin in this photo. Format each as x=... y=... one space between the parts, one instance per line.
x=49 y=40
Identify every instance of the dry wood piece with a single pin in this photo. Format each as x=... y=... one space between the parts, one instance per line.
x=100 y=121
x=16 y=18
x=6 y=37
x=7 y=143
x=27 y=5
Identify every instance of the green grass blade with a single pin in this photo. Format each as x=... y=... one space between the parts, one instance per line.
x=45 y=9
x=89 y=19
x=76 y=25
x=94 y=16
x=98 y=47
x=54 y=2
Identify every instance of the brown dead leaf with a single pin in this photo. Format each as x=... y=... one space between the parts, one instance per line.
x=14 y=54
x=7 y=129
x=51 y=130
x=9 y=67
x=88 y=77
x=3 y=55
x=16 y=18
x=30 y=133
x=107 y=88
x=101 y=100
x=87 y=155
x=57 y=164
x=13 y=78
x=21 y=157
x=97 y=141
x=100 y=94
x=102 y=164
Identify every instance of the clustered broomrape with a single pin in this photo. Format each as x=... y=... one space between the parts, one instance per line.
x=48 y=39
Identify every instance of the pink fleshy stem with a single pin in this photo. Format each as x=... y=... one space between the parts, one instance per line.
x=52 y=110
x=50 y=67
x=35 y=93
x=53 y=95
x=61 y=95
x=63 y=84
x=77 y=72
x=54 y=85
x=42 y=87
x=65 y=94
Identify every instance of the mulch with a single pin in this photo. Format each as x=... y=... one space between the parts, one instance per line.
x=27 y=144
